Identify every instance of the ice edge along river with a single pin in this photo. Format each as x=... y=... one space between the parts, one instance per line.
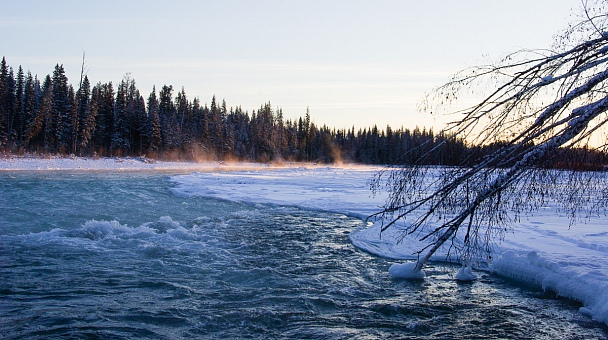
x=543 y=250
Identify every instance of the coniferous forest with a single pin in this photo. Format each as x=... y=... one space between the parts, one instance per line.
x=52 y=116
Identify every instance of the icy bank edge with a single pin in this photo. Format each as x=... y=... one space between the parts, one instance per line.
x=527 y=267
x=534 y=269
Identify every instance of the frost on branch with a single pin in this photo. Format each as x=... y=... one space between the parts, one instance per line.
x=541 y=111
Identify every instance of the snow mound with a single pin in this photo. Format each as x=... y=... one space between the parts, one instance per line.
x=406 y=271
x=466 y=274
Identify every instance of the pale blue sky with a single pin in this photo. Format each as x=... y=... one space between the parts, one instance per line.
x=352 y=62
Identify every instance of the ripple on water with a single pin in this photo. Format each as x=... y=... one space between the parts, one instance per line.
x=135 y=261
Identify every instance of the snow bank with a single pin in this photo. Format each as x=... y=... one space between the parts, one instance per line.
x=571 y=280
x=52 y=163
x=340 y=190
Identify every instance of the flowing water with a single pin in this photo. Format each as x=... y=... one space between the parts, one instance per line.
x=101 y=255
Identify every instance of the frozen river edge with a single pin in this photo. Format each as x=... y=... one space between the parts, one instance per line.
x=543 y=250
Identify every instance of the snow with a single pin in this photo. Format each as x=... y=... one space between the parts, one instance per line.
x=406 y=271
x=52 y=163
x=542 y=250
x=466 y=274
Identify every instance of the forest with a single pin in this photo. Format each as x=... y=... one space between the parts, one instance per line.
x=51 y=116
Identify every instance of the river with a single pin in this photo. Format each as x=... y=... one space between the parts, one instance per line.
x=120 y=255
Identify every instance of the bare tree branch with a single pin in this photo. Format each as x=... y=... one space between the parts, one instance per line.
x=539 y=104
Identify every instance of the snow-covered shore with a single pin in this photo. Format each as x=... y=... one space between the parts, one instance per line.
x=73 y=163
x=543 y=250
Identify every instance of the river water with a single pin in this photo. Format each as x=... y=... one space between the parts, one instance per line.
x=102 y=255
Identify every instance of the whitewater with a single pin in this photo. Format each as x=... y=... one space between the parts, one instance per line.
x=542 y=251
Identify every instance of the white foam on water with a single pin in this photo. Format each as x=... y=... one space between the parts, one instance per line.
x=543 y=250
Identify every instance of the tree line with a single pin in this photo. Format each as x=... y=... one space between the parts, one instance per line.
x=50 y=116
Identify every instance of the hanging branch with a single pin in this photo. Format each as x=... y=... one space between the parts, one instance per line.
x=540 y=103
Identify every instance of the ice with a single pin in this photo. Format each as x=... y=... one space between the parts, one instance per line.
x=466 y=274
x=406 y=271
x=542 y=250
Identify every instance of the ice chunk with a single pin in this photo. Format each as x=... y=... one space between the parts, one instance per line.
x=406 y=271
x=466 y=274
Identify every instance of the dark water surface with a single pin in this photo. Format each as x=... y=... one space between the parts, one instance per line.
x=102 y=255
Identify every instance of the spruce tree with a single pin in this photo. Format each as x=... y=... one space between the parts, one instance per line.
x=136 y=107
x=182 y=117
x=215 y=127
x=4 y=107
x=196 y=114
x=87 y=115
x=120 y=129
x=280 y=134
x=60 y=111
x=166 y=111
x=45 y=113
x=32 y=124
x=10 y=104
x=71 y=124
x=153 y=133
x=18 y=123
x=103 y=99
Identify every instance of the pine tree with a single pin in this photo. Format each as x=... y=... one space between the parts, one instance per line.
x=182 y=108
x=59 y=112
x=87 y=114
x=241 y=122
x=166 y=112
x=153 y=132
x=11 y=111
x=32 y=123
x=45 y=114
x=225 y=131
x=229 y=127
x=136 y=106
x=71 y=124
x=4 y=114
x=292 y=139
x=205 y=132
x=19 y=124
x=121 y=127
x=103 y=99
x=195 y=123
x=281 y=136
x=215 y=127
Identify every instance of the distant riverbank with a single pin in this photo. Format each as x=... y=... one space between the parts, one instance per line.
x=74 y=163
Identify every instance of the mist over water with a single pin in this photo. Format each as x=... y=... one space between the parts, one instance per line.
x=119 y=256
